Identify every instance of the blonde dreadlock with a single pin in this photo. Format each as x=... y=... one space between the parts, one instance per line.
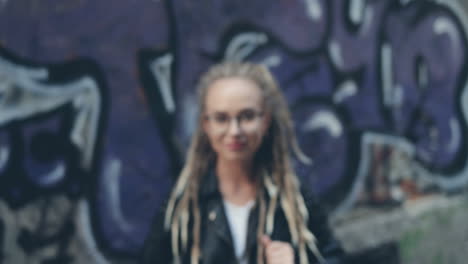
x=273 y=159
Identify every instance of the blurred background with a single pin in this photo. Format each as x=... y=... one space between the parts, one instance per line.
x=97 y=105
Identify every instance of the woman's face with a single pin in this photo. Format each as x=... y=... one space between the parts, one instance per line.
x=234 y=118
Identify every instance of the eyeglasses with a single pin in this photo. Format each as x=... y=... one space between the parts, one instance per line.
x=247 y=119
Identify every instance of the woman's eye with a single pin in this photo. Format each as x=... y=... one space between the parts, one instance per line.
x=221 y=118
x=247 y=116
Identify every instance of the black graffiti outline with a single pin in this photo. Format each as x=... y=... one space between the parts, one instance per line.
x=85 y=178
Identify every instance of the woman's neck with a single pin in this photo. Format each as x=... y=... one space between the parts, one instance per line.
x=236 y=181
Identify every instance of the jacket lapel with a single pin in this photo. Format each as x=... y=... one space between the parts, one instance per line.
x=215 y=214
x=251 y=244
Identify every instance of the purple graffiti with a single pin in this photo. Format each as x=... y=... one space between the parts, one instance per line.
x=358 y=75
x=427 y=56
x=346 y=84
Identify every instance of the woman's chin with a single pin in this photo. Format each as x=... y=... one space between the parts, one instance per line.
x=240 y=156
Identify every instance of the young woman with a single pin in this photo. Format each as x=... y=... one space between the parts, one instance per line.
x=237 y=199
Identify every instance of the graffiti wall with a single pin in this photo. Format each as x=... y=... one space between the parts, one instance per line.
x=97 y=104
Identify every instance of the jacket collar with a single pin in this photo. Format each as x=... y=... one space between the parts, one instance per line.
x=209 y=191
x=209 y=185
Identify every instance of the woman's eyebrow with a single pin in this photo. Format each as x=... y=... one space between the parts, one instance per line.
x=219 y=112
x=249 y=109
x=243 y=110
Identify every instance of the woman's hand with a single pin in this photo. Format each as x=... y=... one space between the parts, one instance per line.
x=277 y=252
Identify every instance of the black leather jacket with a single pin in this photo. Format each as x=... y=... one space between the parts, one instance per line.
x=216 y=242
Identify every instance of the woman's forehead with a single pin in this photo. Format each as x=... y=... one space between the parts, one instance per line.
x=233 y=93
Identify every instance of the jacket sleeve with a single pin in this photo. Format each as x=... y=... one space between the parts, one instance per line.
x=157 y=246
x=328 y=246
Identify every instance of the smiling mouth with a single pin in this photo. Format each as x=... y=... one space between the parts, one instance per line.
x=236 y=146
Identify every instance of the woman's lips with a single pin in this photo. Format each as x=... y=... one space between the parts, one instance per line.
x=236 y=146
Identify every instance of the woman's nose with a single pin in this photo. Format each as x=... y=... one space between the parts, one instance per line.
x=234 y=126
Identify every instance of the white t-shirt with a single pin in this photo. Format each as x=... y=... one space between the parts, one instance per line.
x=238 y=218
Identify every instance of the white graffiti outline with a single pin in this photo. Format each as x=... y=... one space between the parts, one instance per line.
x=85 y=232
x=335 y=53
x=314 y=10
x=36 y=96
x=346 y=89
x=242 y=45
x=357 y=11
x=111 y=184
x=4 y=156
x=455 y=138
x=161 y=68
x=324 y=119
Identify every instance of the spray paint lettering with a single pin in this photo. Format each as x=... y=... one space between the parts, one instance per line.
x=370 y=84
